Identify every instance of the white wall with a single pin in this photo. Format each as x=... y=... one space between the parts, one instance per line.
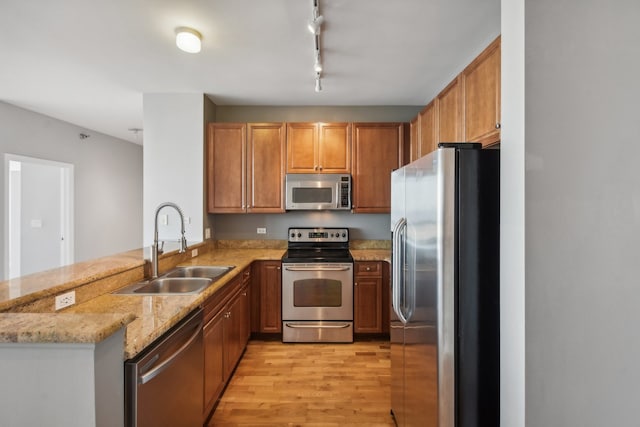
x=108 y=179
x=512 y=219
x=173 y=162
x=581 y=213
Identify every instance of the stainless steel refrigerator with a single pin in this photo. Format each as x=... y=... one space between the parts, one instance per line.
x=445 y=289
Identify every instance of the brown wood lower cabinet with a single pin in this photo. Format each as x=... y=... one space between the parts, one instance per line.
x=371 y=299
x=266 y=297
x=226 y=332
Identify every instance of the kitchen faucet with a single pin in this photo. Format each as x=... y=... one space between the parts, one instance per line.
x=154 y=247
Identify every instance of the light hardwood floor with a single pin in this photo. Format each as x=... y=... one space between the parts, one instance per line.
x=279 y=384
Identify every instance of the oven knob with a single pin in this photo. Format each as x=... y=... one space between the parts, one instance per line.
x=299 y=234
x=344 y=234
x=293 y=235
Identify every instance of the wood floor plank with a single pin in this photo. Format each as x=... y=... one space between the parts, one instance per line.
x=322 y=385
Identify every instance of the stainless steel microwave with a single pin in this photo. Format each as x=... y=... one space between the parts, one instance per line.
x=329 y=191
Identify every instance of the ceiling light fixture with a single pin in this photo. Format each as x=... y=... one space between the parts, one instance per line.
x=315 y=26
x=317 y=66
x=318 y=83
x=188 y=39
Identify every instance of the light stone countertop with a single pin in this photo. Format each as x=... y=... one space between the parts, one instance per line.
x=60 y=327
x=52 y=282
x=146 y=317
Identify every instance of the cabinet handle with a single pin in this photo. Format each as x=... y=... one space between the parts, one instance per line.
x=277 y=268
x=244 y=294
x=355 y=284
x=497 y=125
x=315 y=167
x=368 y=268
x=320 y=167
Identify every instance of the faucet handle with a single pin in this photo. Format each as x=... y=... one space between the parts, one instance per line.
x=161 y=247
x=183 y=244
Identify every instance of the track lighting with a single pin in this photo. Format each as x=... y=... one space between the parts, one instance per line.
x=314 y=26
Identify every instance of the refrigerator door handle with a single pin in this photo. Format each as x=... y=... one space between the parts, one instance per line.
x=398 y=277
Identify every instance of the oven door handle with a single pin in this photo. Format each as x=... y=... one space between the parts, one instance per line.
x=308 y=326
x=317 y=268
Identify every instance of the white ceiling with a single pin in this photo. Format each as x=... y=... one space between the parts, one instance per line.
x=88 y=62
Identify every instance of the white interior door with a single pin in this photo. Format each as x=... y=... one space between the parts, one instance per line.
x=39 y=212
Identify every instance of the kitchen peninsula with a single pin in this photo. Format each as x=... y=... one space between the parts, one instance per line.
x=71 y=361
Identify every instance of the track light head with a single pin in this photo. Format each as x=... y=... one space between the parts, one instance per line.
x=315 y=25
x=317 y=65
x=318 y=87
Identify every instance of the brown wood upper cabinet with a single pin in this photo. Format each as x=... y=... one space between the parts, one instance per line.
x=318 y=148
x=450 y=124
x=377 y=151
x=424 y=132
x=414 y=138
x=482 y=96
x=245 y=167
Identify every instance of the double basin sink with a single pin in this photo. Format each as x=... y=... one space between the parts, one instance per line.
x=179 y=281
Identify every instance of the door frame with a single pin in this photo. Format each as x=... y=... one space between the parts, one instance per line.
x=66 y=206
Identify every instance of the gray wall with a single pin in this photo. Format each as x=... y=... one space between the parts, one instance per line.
x=241 y=114
x=108 y=179
x=582 y=198
x=363 y=226
x=243 y=226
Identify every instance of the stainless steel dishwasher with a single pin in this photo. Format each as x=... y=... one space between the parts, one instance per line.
x=164 y=383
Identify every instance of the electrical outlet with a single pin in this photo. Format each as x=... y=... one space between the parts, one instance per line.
x=65 y=300
x=207 y=233
x=194 y=253
x=261 y=230
x=164 y=219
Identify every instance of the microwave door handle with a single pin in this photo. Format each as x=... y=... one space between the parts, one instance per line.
x=338 y=195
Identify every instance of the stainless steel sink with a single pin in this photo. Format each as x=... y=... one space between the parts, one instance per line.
x=199 y=271
x=174 y=285
x=179 y=281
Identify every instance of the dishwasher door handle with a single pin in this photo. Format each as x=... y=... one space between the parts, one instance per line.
x=143 y=379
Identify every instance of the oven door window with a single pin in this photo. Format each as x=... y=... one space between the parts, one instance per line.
x=317 y=293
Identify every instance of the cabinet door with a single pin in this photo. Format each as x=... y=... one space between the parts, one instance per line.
x=482 y=96
x=334 y=148
x=368 y=297
x=414 y=137
x=302 y=147
x=428 y=130
x=244 y=316
x=377 y=151
x=450 y=113
x=368 y=304
x=265 y=170
x=214 y=378
x=226 y=167
x=231 y=335
x=270 y=297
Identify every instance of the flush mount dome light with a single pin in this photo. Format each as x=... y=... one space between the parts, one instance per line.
x=188 y=39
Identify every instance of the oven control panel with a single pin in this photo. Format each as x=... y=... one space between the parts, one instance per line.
x=318 y=235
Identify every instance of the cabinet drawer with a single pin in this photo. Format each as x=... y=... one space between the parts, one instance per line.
x=368 y=268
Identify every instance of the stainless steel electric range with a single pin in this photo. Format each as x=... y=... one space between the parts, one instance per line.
x=317 y=286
